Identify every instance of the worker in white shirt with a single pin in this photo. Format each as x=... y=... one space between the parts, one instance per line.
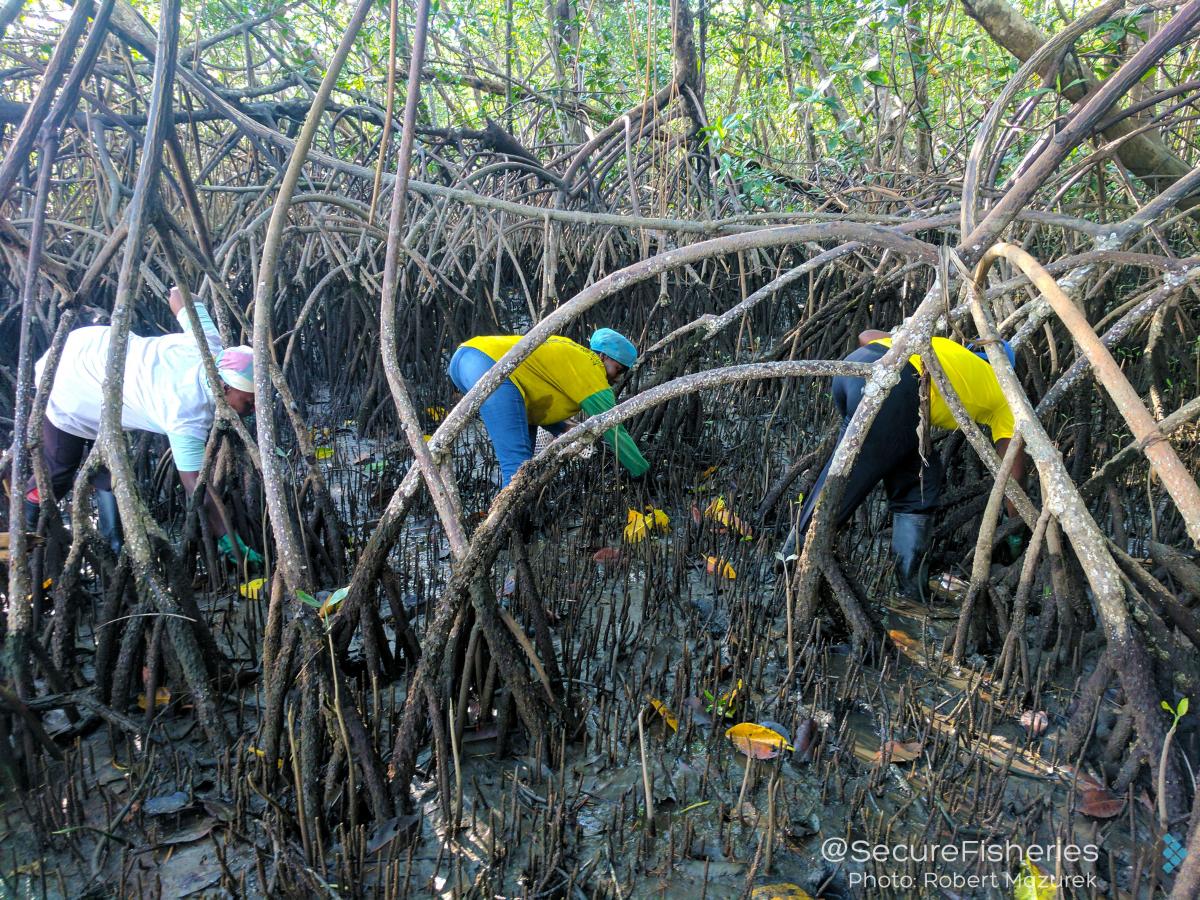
x=166 y=392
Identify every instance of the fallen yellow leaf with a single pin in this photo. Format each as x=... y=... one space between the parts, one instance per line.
x=161 y=698
x=262 y=754
x=639 y=525
x=720 y=567
x=757 y=741
x=636 y=528
x=1031 y=884
x=781 y=891
x=663 y=710
x=323 y=452
x=719 y=512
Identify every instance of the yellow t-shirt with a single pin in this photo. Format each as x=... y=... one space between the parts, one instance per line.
x=975 y=383
x=554 y=380
x=560 y=379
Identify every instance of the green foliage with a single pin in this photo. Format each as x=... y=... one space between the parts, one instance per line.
x=788 y=83
x=1178 y=712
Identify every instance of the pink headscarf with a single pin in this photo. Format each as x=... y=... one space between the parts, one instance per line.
x=235 y=365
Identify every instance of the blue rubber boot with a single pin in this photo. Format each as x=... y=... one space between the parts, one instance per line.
x=109 y=520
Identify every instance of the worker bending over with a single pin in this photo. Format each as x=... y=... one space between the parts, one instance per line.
x=165 y=391
x=557 y=381
x=891 y=450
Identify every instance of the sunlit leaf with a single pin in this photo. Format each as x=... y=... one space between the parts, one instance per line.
x=663 y=710
x=639 y=525
x=323 y=452
x=1032 y=884
x=781 y=891
x=308 y=599
x=720 y=568
x=719 y=512
x=757 y=741
x=162 y=697
x=334 y=601
x=725 y=704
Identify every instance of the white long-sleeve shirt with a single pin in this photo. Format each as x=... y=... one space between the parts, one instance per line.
x=166 y=390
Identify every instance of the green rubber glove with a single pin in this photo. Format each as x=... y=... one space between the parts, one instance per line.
x=225 y=545
x=1016 y=545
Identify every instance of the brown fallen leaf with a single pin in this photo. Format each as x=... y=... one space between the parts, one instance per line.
x=193 y=833
x=899 y=751
x=1035 y=722
x=1099 y=803
x=607 y=556
x=806 y=736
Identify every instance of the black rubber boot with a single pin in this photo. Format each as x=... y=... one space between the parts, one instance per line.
x=109 y=520
x=32 y=510
x=911 y=534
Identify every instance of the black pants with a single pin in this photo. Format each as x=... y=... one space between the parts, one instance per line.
x=890 y=451
x=63 y=454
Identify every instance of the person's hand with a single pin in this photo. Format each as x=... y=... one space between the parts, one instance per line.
x=225 y=545
x=1014 y=544
x=175 y=298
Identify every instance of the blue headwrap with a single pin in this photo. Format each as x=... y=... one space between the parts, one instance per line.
x=1008 y=351
x=614 y=345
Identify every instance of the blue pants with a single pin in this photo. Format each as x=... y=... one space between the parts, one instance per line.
x=889 y=452
x=503 y=413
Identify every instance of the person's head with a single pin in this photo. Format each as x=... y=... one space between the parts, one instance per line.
x=615 y=350
x=235 y=365
x=977 y=348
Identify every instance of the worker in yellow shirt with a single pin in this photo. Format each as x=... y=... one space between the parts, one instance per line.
x=558 y=380
x=890 y=452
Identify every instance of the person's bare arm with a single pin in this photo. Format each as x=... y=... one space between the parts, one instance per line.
x=871 y=334
x=1018 y=471
x=175 y=299
x=215 y=525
